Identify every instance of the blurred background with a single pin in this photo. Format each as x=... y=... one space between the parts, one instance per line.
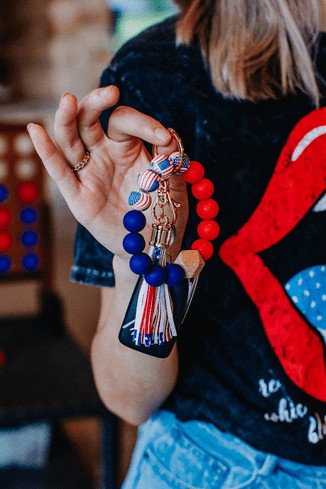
x=47 y=48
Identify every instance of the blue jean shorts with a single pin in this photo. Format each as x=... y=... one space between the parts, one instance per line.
x=171 y=454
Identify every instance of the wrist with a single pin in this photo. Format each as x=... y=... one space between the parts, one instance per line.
x=122 y=270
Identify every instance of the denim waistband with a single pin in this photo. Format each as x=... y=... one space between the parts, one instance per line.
x=171 y=454
x=221 y=444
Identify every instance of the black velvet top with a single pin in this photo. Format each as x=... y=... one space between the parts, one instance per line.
x=252 y=350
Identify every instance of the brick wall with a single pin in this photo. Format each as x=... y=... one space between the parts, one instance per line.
x=54 y=46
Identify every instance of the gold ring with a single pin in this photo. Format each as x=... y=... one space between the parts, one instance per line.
x=180 y=148
x=82 y=163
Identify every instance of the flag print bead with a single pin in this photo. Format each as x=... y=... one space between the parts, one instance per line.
x=148 y=181
x=139 y=200
x=184 y=166
x=162 y=165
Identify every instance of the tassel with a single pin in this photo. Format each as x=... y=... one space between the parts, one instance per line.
x=192 y=284
x=154 y=322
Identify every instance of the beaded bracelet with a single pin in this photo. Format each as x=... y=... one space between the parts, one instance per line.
x=154 y=316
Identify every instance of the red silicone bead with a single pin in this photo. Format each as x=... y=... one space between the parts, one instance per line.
x=205 y=248
x=203 y=189
x=5 y=217
x=195 y=172
x=208 y=229
x=5 y=241
x=27 y=192
x=207 y=209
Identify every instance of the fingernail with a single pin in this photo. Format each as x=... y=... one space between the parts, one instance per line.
x=29 y=126
x=64 y=96
x=162 y=134
x=103 y=92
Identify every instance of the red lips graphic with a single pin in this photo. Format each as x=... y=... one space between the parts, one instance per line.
x=298 y=182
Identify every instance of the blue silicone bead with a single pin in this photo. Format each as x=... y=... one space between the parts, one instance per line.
x=28 y=215
x=175 y=274
x=140 y=264
x=133 y=243
x=30 y=262
x=29 y=238
x=5 y=263
x=134 y=221
x=4 y=193
x=156 y=276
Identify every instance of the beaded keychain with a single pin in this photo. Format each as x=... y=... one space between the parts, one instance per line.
x=164 y=290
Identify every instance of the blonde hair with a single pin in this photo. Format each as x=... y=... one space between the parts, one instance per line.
x=256 y=49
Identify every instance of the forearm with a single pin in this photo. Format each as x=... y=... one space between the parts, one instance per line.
x=131 y=384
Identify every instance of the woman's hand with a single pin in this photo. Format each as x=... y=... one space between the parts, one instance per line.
x=97 y=195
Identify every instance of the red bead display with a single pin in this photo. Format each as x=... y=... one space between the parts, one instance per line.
x=195 y=172
x=208 y=229
x=27 y=192
x=5 y=241
x=203 y=189
x=5 y=217
x=205 y=248
x=207 y=209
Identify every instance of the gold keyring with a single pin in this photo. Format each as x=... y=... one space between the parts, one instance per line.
x=180 y=148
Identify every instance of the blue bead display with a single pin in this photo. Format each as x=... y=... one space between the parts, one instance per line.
x=28 y=215
x=5 y=263
x=133 y=243
x=175 y=274
x=30 y=262
x=134 y=221
x=140 y=264
x=4 y=193
x=156 y=276
x=29 y=238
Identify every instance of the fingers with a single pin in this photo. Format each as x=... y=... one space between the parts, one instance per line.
x=127 y=123
x=53 y=161
x=77 y=128
x=66 y=131
x=90 y=108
